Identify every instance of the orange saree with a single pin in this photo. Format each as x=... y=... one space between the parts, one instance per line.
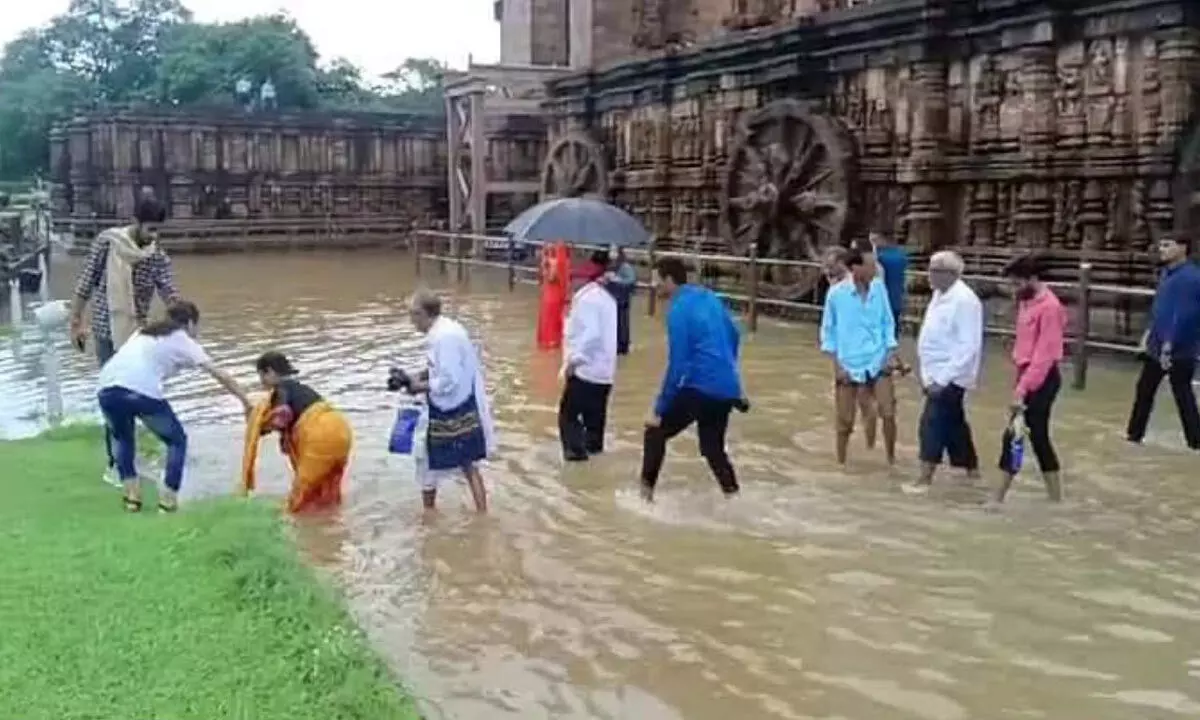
x=317 y=447
x=556 y=286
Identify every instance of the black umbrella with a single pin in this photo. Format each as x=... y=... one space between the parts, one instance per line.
x=578 y=221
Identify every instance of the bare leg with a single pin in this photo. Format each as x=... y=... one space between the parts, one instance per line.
x=429 y=499
x=1005 y=484
x=478 y=491
x=1053 y=486
x=870 y=416
x=889 y=439
x=927 y=471
x=843 y=442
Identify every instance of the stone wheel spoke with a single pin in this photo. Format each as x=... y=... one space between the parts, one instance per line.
x=575 y=165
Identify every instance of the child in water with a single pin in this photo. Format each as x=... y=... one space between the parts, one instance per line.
x=314 y=436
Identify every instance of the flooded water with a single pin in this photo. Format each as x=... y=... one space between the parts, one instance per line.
x=819 y=594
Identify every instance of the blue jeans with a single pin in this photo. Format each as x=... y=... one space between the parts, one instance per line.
x=121 y=409
x=104 y=353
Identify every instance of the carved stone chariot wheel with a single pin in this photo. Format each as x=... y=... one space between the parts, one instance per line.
x=790 y=186
x=575 y=166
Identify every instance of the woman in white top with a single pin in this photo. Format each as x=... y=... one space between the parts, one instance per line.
x=131 y=388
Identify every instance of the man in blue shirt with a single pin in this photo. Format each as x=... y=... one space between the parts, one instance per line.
x=858 y=332
x=1172 y=343
x=893 y=267
x=701 y=384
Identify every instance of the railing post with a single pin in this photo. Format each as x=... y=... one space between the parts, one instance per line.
x=458 y=258
x=512 y=263
x=652 y=300
x=1084 y=329
x=752 y=288
x=415 y=246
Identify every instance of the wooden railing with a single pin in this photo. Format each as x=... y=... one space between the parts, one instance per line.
x=207 y=235
x=464 y=251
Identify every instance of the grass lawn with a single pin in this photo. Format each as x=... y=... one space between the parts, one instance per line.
x=206 y=614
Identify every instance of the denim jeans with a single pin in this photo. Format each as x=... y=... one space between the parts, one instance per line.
x=104 y=353
x=121 y=409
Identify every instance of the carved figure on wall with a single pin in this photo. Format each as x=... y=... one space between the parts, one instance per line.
x=1101 y=103
x=789 y=187
x=1070 y=100
x=575 y=165
x=988 y=90
x=1151 y=101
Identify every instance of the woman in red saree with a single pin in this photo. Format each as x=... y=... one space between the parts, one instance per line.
x=555 y=280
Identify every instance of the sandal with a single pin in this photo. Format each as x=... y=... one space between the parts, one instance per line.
x=132 y=504
x=163 y=508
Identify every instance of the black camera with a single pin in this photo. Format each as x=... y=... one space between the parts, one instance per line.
x=399 y=380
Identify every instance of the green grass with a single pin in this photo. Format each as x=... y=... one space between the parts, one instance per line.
x=207 y=615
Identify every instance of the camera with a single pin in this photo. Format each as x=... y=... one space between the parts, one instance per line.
x=398 y=380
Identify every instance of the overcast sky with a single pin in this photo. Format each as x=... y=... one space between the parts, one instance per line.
x=374 y=34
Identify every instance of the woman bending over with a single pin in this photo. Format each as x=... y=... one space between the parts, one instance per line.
x=131 y=389
x=313 y=435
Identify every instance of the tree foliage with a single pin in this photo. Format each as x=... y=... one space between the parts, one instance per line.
x=135 y=52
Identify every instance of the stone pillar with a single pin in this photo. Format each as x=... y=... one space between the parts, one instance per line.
x=1039 y=116
x=79 y=143
x=60 y=172
x=455 y=200
x=582 y=14
x=479 y=167
x=1177 y=57
x=926 y=216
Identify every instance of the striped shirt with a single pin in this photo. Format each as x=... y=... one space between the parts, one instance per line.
x=150 y=275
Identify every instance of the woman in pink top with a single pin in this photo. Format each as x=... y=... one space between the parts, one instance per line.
x=1041 y=325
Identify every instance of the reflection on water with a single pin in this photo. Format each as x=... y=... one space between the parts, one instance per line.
x=819 y=594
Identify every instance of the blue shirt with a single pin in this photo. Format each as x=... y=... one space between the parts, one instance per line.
x=858 y=331
x=1175 y=314
x=702 y=348
x=894 y=261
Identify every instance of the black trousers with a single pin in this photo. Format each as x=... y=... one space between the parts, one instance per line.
x=711 y=417
x=1037 y=421
x=623 y=328
x=1180 y=378
x=944 y=430
x=582 y=415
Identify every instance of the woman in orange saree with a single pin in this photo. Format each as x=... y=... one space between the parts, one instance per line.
x=313 y=435
x=555 y=280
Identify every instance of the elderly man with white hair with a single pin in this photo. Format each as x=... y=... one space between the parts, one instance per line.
x=949 y=349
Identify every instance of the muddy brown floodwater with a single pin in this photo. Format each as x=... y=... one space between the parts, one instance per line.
x=818 y=594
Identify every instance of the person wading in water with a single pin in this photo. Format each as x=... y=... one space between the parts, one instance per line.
x=1037 y=350
x=589 y=365
x=701 y=384
x=858 y=333
x=1172 y=343
x=949 y=348
x=315 y=438
x=122 y=273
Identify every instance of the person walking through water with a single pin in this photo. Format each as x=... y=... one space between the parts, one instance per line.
x=858 y=333
x=589 y=365
x=949 y=349
x=124 y=270
x=459 y=430
x=315 y=438
x=1037 y=350
x=131 y=389
x=701 y=384
x=1172 y=343
x=892 y=260
x=622 y=283
x=555 y=272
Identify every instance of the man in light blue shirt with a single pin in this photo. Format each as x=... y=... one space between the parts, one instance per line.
x=858 y=332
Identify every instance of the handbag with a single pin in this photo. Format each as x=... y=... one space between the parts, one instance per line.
x=404 y=430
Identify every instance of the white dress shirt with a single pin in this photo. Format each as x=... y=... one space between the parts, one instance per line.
x=591 y=339
x=950 y=344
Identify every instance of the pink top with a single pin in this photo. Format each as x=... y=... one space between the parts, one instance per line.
x=1041 y=330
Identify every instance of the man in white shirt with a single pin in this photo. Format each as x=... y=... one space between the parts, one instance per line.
x=949 y=349
x=459 y=429
x=589 y=365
